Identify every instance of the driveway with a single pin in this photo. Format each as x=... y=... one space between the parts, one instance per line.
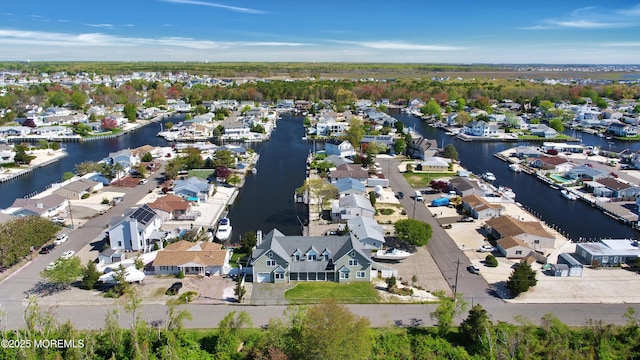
x=268 y=294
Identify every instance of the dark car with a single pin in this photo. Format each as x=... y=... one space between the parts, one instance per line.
x=47 y=249
x=400 y=195
x=174 y=288
x=474 y=269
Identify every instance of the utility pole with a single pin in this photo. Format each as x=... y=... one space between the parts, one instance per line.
x=70 y=215
x=415 y=200
x=455 y=286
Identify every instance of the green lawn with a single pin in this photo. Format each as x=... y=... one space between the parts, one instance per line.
x=237 y=254
x=201 y=173
x=313 y=292
x=420 y=180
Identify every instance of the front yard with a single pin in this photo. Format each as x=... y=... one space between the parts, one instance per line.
x=423 y=179
x=353 y=293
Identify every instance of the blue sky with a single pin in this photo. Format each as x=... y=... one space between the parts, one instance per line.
x=419 y=31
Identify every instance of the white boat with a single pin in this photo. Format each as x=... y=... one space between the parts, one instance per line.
x=568 y=194
x=506 y=192
x=515 y=168
x=223 y=233
x=254 y=170
x=488 y=176
x=392 y=254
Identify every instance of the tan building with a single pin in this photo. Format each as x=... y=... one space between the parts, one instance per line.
x=530 y=232
x=204 y=258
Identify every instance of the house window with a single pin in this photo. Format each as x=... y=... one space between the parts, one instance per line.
x=344 y=275
x=326 y=257
x=353 y=262
x=119 y=243
x=311 y=257
x=536 y=241
x=297 y=257
x=518 y=252
x=271 y=263
x=360 y=275
x=279 y=276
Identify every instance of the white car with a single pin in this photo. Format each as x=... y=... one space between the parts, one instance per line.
x=51 y=266
x=67 y=254
x=487 y=248
x=58 y=220
x=62 y=238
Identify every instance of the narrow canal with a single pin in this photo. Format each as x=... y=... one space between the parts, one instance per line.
x=575 y=218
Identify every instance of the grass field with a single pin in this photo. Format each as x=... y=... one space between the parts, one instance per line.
x=237 y=255
x=201 y=173
x=421 y=180
x=353 y=293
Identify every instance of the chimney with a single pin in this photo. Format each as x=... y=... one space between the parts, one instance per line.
x=259 y=237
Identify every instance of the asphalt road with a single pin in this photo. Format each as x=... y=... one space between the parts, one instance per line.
x=441 y=246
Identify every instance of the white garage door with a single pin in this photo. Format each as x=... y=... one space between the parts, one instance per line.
x=264 y=277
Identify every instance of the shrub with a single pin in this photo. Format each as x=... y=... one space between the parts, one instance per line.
x=105 y=201
x=85 y=195
x=386 y=211
x=187 y=297
x=491 y=261
x=180 y=275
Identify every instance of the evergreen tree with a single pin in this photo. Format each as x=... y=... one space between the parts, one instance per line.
x=522 y=278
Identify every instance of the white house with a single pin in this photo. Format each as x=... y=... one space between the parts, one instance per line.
x=133 y=233
x=342 y=148
x=480 y=128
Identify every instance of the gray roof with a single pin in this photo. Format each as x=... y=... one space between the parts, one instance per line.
x=366 y=228
x=464 y=184
x=346 y=184
x=193 y=184
x=40 y=205
x=286 y=246
x=353 y=200
x=81 y=185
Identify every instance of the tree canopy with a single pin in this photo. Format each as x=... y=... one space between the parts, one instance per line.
x=413 y=231
x=522 y=278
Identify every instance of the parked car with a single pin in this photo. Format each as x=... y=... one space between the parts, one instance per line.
x=61 y=239
x=51 y=266
x=174 y=288
x=487 y=248
x=474 y=269
x=58 y=220
x=143 y=181
x=47 y=249
x=467 y=219
x=67 y=255
x=400 y=195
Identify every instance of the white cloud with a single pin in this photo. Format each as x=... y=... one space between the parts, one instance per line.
x=107 y=26
x=217 y=5
x=586 y=24
x=591 y=18
x=623 y=44
x=393 y=45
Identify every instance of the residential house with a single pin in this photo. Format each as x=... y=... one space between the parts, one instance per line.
x=282 y=259
x=465 y=187
x=336 y=160
x=552 y=163
x=6 y=153
x=125 y=157
x=52 y=131
x=367 y=231
x=15 y=131
x=479 y=208
x=328 y=125
x=480 y=128
x=623 y=130
x=513 y=248
x=526 y=152
x=609 y=252
x=46 y=206
x=543 y=131
x=171 y=207
x=434 y=164
x=586 y=172
x=531 y=232
x=354 y=171
x=236 y=132
x=193 y=189
x=386 y=140
x=613 y=188
x=351 y=206
x=348 y=186
x=133 y=232
x=202 y=258
x=110 y=256
x=422 y=148
x=342 y=148
x=74 y=190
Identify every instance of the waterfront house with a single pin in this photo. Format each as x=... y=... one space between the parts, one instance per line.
x=282 y=259
x=552 y=163
x=351 y=206
x=542 y=130
x=15 y=131
x=46 y=206
x=339 y=147
x=367 y=231
x=328 y=125
x=236 y=132
x=202 y=258
x=133 y=232
x=530 y=232
x=513 y=248
x=52 y=131
x=422 y=148
x=171 y=207
x=613 y=188
x=479 y=208
x=6 y=153
x=434 y=164
x=353 y=171
x=348 y=186
x=480 y=128
x=586 y=172
x=75 y=189
x=193 y=188
x=465 y=187
x=609 y=252
x=336 y=160
x=623 y=130
x=125 y=157
x=386 y=140
x=523 y=152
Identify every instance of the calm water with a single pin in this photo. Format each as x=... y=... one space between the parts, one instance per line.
x=266 y=200
x=96 y=150
x=575 y=218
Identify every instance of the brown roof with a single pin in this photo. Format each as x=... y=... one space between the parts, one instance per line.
x=614 y=184
x=347 y=170
x=552 y=160
x=508 y=226
x=170 y=203
x=184 y=252
x=510 y=242
x=478 y=203
x=139 y=151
